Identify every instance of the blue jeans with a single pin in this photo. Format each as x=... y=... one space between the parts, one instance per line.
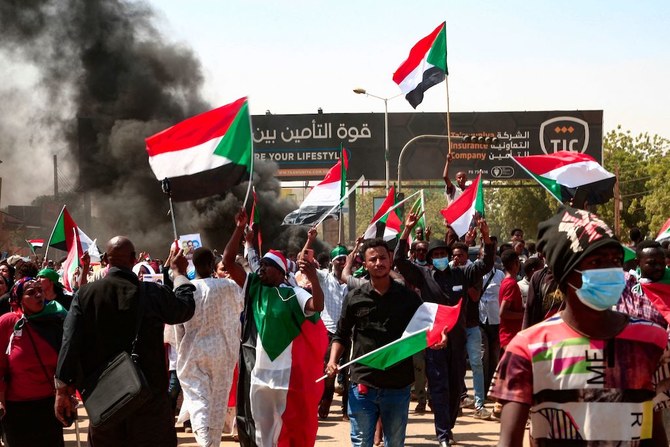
x=474 y=347
x=364 y=410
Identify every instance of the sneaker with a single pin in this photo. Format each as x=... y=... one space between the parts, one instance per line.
x=467 y=402
x=482 y=414
x=420 y=408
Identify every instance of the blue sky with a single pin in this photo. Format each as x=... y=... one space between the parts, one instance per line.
x=297 y=56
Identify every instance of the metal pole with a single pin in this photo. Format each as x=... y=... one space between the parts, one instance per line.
x=446 y=83
x=617 y=204
x=251 y=168
x=386 y=143
x=165 y=186
x=174 y=224
x=419 y=137
x=55 y=177
x=340 y=227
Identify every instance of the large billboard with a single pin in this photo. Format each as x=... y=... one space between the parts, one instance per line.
x=306 y=146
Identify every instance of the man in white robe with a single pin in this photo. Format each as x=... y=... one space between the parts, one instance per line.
x=208 y=349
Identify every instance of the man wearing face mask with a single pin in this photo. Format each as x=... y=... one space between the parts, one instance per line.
x=588 y=375
x=444 y=284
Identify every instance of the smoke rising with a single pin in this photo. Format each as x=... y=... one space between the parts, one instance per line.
x=102 y=66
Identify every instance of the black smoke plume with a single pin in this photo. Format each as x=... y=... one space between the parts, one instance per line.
x=110 y=79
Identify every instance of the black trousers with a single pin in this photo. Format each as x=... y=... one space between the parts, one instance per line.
x=329 y=383
x=151 y=425
x=491 y=352
x=445 y=370
x=32 y=423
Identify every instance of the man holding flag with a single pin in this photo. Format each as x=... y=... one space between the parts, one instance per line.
x=281 y=352
x=374 y=315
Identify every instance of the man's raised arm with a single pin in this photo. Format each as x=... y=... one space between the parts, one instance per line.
x=235 y=270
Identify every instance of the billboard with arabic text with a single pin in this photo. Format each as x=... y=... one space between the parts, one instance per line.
x=306 y=146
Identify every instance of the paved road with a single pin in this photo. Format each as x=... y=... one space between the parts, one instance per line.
x=335 y=432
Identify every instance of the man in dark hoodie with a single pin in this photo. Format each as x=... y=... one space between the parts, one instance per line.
x=442 y=284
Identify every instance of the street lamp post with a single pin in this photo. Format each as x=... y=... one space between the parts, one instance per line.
x=362 y=91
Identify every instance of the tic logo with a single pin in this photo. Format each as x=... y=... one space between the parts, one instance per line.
x=564 y=133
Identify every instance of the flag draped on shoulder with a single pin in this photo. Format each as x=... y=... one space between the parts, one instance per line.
x=282 y=351
x=425 y=66
x=385 y=223
x=463 y=212
x=63 y=236
x=659 y=294
x=322 y=197
x=423 y=331
x=664 y=233
x=206 y=154
x=570 y=176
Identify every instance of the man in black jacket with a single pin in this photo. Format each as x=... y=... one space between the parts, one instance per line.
x=102 y=323
x=442 y=284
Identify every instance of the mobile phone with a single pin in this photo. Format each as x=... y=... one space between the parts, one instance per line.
x=309 y=255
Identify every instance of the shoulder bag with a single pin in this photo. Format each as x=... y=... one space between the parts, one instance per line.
x=120 y=388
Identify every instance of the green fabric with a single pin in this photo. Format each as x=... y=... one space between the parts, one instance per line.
x=419 y=208
x=628 y=253
x=360 y=271
x=437 y=55
x=479 y=198
x=396 y=351
x=277 y=315
x=666 y=276
x=343 y=174
x=552 y=186
x=58 y=239
x=236 y=143
x=338 y=251
x=51 y=275
x=52 y=308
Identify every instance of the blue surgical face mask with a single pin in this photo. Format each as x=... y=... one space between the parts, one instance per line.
x=441 y=263
x=419 y=262
x=601 y=288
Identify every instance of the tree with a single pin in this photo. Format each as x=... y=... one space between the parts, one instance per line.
x=643 y=168
x=522 y=207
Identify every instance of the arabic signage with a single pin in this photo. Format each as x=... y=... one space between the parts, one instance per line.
x=306 y=146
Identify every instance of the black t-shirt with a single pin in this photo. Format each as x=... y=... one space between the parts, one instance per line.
x=373 y=320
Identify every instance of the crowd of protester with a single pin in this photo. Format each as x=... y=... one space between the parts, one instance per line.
x=529 y=310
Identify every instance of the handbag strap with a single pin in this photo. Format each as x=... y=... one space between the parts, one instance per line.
x=140 y=314
x=493 y=272
x=37 y=353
